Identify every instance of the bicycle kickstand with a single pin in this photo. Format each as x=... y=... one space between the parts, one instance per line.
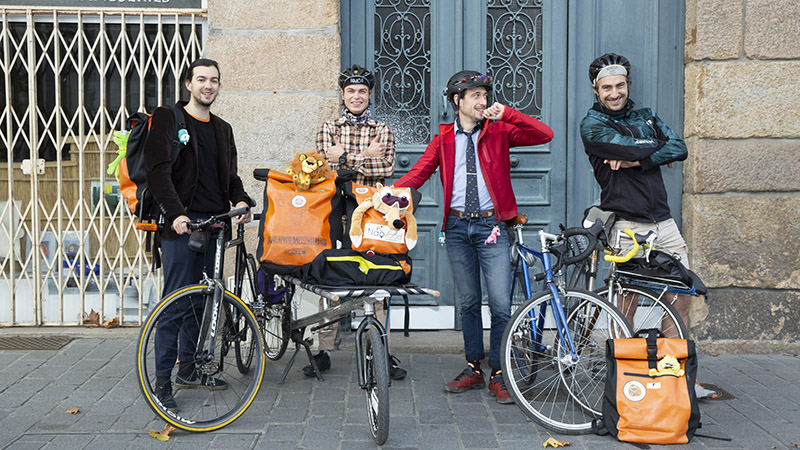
x=297 y=337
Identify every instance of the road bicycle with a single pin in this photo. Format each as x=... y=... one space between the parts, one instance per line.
x=229 y=345
x=645 y=301
x=553 y=352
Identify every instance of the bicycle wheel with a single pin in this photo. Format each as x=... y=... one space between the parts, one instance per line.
x=200 y=409
x=645 y=309
x=565 y=394
x=246 y=284
x=376 y=371
x=276 y=320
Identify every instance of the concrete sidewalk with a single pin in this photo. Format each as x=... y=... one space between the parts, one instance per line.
x=95 y=372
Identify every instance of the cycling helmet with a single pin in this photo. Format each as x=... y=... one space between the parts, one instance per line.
x=356 y=75
x=609 y=64
x=466 y=79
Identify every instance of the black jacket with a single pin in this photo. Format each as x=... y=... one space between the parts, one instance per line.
x=173 y=185
x=636 y=193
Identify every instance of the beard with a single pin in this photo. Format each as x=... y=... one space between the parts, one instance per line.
x=199 y=100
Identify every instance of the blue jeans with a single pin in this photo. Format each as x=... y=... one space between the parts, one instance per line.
x=468 y=257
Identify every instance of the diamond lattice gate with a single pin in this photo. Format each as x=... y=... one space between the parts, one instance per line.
x=69 y=79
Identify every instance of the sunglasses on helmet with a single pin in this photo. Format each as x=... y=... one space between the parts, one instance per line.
x=482 y=78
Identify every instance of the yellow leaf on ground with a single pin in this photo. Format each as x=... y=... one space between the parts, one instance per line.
x=111 y=323
x=551 y=441
x=93 y=318
x=73 y=411
x=164 y=434
x=796 y=445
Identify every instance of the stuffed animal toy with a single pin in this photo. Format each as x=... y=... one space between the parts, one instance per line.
x=393 y=203
x=668 y=365
x=308 y=169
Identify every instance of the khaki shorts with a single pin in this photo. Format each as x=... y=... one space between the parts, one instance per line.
x=668 y=235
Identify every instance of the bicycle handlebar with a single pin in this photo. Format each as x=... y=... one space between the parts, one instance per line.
x=207 y=223
x=638 y=240
x=563 y=249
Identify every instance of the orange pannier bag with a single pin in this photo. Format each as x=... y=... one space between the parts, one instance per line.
x=649 y=394
x=296 y=226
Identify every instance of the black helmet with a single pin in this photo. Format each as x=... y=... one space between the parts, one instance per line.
x=466 y=79
x=609 y=59
x=356 y=75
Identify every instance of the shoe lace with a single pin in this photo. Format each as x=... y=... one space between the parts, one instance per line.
x=468 y=372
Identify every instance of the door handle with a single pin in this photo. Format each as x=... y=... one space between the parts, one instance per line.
x=514 y=162
x=404 y=161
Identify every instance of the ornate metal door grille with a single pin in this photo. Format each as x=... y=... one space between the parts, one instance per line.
x=69 y=78
x=403 y=68
x=514 y=52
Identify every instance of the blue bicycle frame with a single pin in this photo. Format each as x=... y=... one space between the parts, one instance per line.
x=558 y=309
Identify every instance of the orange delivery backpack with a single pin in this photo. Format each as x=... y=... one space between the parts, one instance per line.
x=649 y=394
x=297 y=226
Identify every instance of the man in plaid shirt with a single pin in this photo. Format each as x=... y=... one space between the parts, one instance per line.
x=357 y=142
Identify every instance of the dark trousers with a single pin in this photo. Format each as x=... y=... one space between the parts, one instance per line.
x=179 y=325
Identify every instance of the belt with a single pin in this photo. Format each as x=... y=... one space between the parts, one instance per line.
x=462 y=215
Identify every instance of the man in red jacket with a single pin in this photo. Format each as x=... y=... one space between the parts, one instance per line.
x=473 y=158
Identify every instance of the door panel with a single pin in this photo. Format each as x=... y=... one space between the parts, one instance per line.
x=414 y=46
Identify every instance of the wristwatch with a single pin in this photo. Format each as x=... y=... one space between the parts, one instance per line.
x=343 y=158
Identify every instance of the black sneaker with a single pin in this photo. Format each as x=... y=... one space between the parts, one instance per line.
x=323 y=363
x=395 y=371
x=164 y=395
x=204 y=381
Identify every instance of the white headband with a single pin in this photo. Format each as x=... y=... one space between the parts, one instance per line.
x=607 y=71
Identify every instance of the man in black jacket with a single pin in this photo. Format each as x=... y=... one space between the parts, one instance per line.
x=627 y=148
x=202 y=182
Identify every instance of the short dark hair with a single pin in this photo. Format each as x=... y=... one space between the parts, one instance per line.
x=200 y=62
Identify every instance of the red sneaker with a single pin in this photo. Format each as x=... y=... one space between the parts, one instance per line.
x=466 y=380
x=497 y=386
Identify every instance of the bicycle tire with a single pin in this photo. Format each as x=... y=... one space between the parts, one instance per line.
x=652 y=310
x=518 y=294
x=276 y=323
x=566 y=395
x=202 y=410
x=247 y=281
x=376 y=368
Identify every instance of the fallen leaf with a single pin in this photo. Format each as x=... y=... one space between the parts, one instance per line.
x=73 y=411
x=796 y=445
x=551 y=441
x=164 y=434
x=715 y=354
x=93 y=318
x=111 y=323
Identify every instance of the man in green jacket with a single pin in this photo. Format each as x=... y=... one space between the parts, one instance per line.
x=627 y=148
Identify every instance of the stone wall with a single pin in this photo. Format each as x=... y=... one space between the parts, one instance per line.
x=741 y=209
x=279 y=63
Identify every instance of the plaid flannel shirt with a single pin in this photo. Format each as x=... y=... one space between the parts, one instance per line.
x=355 y=141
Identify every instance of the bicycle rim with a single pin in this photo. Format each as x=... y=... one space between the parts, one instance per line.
x=200 y=409
x=646 y=309
x=558 y=393
x=376 y=369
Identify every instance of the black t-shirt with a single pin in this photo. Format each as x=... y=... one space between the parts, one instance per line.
x=208 y=196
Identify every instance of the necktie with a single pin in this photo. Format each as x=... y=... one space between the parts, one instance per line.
x=472 y=206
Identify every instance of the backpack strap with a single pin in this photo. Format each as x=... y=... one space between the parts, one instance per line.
x=652 y=348
x=177 y=146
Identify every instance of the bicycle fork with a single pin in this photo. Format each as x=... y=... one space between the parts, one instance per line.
x=369 y=321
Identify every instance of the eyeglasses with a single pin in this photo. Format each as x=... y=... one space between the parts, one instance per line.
x=484 y=78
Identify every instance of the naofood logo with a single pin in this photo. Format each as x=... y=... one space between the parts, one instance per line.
x=361 y=190
x=384 y=233
x=634 y=391
x=298 y=201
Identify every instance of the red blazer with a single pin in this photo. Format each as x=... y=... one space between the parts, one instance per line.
x=514 y=129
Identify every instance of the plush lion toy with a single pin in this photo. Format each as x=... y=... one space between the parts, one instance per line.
x=308 y=169
x=668 y=365
x=393 y=203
